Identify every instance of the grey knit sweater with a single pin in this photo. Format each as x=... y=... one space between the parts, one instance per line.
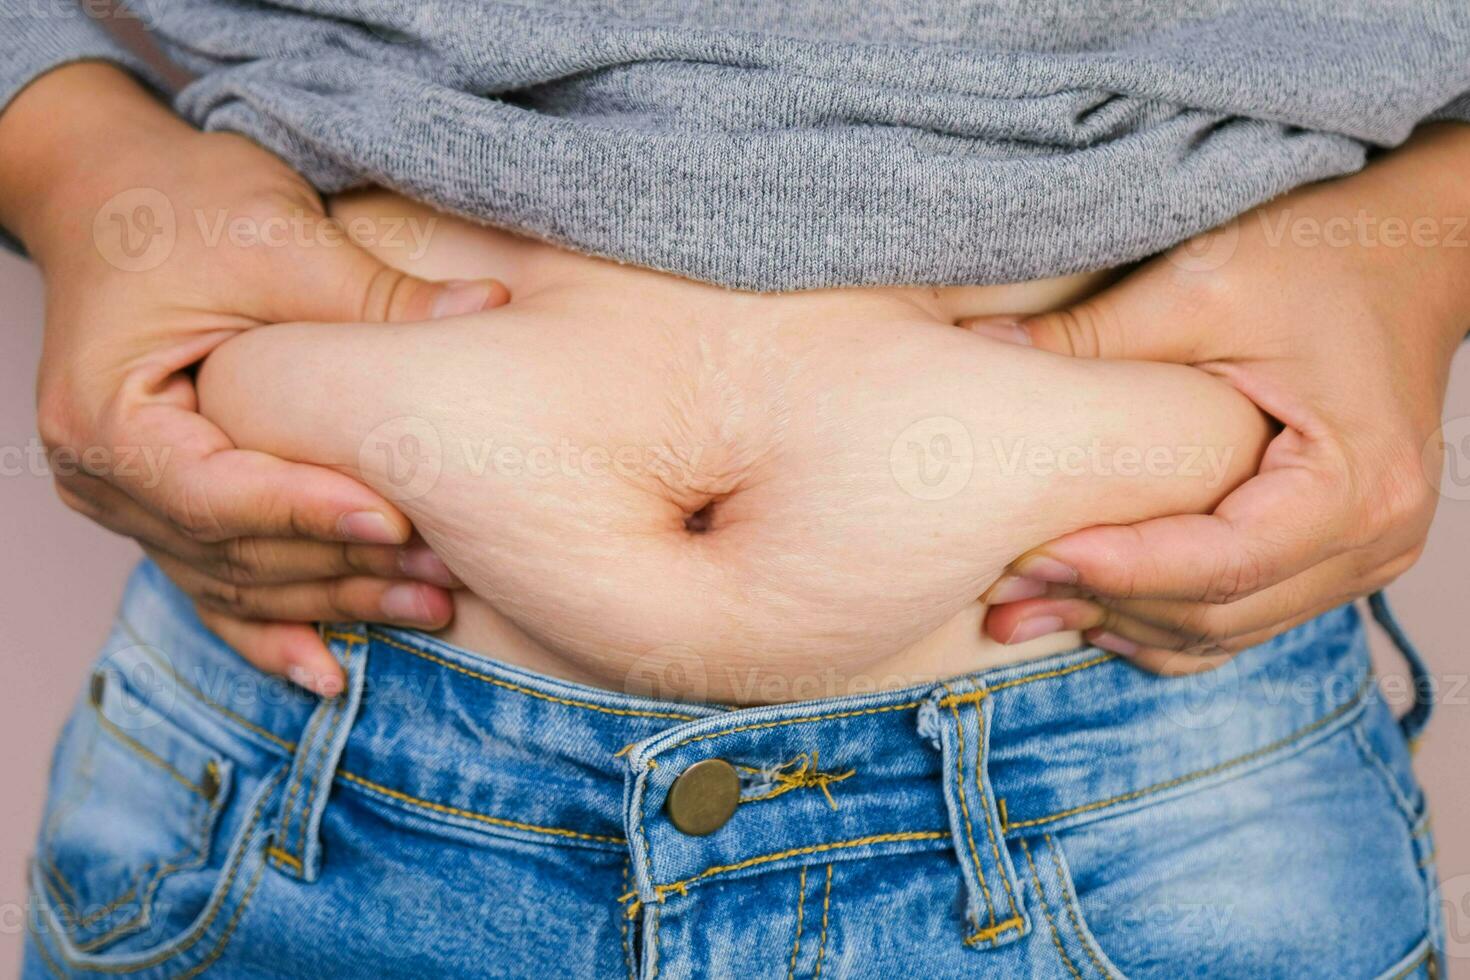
x=785 y=144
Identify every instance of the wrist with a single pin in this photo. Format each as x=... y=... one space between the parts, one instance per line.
x=65 y=143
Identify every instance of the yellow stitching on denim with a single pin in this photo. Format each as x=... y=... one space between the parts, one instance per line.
x=147 y=754
x=307 y=805
x=990 y=932
x=1056 y=937
x=230 y=926
x=826 y=905
x=61 y=911
x=1048 y=675
x=805 y=775
x=348 y=638
x=1239 y=760
x=197 y=933
x=285 y=857
x=472 y=815
x=1017 y=682
x=1428 y=859
x=299 y=765
x=658 y=919
x=1424 y=828
x=623 y=923
x=1000 y=868
x=167 y=869
x=46 y=864
x=796 y=721
x=1000 y=804
x=1070 y=902
x=178 y=679
x=189 y=857
x=800 y=905
x=959 y=764
x=681 y=887
x=973 y=697
x=530 y=692
x=51 y=964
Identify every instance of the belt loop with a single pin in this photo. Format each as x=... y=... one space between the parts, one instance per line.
x=295 y=847
x=1413 y=721
x=997 y=905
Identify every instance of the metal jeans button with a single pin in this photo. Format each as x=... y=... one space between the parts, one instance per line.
x=704 y=797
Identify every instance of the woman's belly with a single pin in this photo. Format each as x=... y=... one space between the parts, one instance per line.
x=656 y=485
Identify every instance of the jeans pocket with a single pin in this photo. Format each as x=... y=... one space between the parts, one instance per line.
x=1048 y=880
x=1306 y=867
x=134 y=808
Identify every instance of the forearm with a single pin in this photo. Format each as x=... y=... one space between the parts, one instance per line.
x=63 y=145
x=1410 y=215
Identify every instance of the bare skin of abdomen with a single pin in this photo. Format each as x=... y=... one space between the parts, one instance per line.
x=657 y=485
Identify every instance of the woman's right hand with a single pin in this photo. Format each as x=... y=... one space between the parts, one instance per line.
x=158 y=243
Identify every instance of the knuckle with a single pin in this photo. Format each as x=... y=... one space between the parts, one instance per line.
x=242 y=560
x=340 y=600
x=1235 y=578
x=1201 y=626
x=222 y=595
x=1404 y=500
x=387 y=290
x=189 y=510
x=56 y=417
x=1080 y=330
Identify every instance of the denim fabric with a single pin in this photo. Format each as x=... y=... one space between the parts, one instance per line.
x=448 y=816
x=807 y=143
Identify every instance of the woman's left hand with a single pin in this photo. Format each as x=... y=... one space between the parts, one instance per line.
x=1337 y=309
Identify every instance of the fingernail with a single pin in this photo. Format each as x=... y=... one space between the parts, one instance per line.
x=404 y=603
x=369 y=527
x=1012 y=588
x=328 y=685
x=421 y=563
x=459 y=297
x=1006 y=329
x=1030 y=629
x=1047 y=569
x=1114 y=643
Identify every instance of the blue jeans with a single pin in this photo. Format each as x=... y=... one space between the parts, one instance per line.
x=448 y=816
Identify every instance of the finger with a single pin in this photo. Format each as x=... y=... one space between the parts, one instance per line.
x=1131 y=627
x=351 y=599
x=1172 y=662
x=253 y=561
x=290 y=650
x=1325 y=586
x=185 y=470
x=347 y=284
x=279 y=561
x=1274 y=526
x=1144 y=316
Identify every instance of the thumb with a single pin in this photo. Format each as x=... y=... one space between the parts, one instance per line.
x=1145 y=316
x=345 y=284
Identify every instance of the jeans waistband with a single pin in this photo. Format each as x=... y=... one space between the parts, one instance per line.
x=431 y=731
